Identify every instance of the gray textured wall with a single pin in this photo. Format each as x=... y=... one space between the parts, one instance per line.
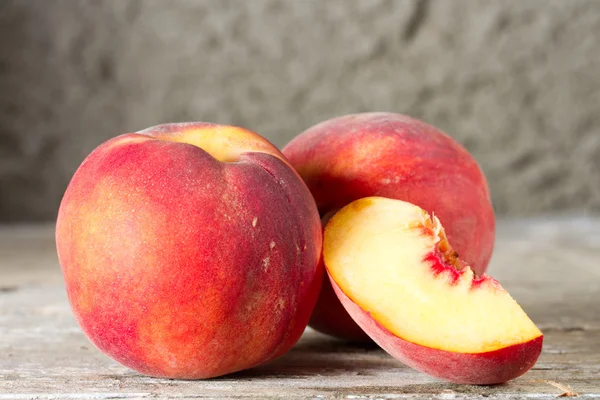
x=517 y=82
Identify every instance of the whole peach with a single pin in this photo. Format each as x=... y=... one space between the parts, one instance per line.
x=190 y=250
x=395 y=156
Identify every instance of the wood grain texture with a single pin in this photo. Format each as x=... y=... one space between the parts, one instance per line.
x=551 y=266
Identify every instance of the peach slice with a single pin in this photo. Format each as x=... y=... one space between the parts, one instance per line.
x=396 y=274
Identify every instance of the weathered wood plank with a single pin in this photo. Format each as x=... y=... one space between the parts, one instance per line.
x=551 y=266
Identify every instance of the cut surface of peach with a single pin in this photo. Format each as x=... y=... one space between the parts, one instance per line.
x=392 y=259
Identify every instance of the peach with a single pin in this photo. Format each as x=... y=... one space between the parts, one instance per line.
x=190 y=250
x=394 y=156
x=397 y=275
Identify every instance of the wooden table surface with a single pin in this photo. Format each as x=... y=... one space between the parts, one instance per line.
x=550 y=265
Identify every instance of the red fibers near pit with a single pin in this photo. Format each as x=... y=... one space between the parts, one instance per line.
x=438 y=266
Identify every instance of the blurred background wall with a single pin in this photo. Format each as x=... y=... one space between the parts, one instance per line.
x=516 y=82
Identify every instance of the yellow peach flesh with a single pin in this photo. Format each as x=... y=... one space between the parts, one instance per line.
x=375 y=249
